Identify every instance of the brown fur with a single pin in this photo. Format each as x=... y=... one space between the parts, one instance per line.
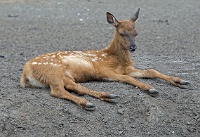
x=63 y=70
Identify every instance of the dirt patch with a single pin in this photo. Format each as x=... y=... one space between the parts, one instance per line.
x=168 y=41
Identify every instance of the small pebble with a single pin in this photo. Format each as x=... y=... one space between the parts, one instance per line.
x=2 y=56
x=121 y=111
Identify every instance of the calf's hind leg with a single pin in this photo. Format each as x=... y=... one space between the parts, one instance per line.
x=58 y=90
x=71 y=85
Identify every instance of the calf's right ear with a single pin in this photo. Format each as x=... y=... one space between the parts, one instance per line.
x=111 y=19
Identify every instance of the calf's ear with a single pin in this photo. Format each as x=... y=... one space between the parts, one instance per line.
x=111 y=19
x=135 y=17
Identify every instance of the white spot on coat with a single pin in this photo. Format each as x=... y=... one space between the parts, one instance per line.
x=104 y=55
x=95 y=59
x=45 y=63
x=78 y=52
x=34 y=63
x=61 y=56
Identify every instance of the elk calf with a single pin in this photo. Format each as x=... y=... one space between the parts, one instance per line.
x=62 y=71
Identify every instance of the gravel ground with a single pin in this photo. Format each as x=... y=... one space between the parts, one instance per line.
x=168 y=40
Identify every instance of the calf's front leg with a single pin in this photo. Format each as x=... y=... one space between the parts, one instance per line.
x=151 y=73
x=130 y=80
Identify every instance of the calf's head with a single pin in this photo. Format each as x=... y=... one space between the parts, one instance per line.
x=125 y=30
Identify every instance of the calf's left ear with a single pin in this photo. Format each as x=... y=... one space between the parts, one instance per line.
x=135 y=17
x=111 y=19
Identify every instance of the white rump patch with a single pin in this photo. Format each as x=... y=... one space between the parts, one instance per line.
x=34 y=82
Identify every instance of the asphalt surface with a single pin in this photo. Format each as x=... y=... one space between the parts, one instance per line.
x=168 y=41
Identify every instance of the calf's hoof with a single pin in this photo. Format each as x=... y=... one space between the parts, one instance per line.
x=89 y=106
x=153 y=92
